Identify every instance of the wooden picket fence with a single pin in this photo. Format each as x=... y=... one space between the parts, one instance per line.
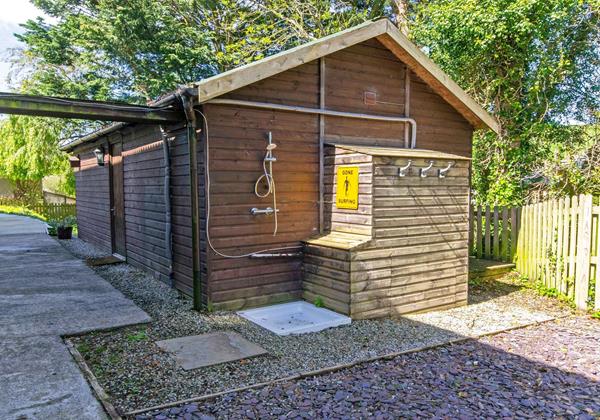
x=494 y=231
x=555 y=242
x=48 y=210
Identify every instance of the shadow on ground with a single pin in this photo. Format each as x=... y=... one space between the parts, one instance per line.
x=502 y=376
x=473 y=378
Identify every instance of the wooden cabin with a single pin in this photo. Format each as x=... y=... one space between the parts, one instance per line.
x=364 y=98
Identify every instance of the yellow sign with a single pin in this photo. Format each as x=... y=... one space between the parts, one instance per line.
x=347 y=187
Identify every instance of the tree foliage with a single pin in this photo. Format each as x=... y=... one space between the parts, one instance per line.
x=533 y=63
x=29 y=153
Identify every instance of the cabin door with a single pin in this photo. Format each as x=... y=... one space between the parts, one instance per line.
x=117 y=210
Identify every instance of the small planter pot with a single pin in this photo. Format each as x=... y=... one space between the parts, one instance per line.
x=64 y=232
x=51 y=231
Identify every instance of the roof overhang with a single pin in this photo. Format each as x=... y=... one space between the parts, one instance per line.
x=384 y=31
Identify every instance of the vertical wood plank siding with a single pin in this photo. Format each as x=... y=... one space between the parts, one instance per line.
x=93 y=201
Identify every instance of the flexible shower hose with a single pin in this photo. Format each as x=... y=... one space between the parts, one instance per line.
x=268 y=176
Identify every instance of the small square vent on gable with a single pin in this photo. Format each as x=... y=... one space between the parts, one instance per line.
x=370 y=98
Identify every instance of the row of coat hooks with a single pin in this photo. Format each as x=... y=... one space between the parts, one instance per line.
x=423 y=172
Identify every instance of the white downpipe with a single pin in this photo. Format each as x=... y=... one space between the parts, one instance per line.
x=305 y=110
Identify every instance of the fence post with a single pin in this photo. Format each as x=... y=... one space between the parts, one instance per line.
x=472 y=228
x=496 y=243
x=515 y=230
x=488 y=242
x=596 y=211
x=573 y=241
x=479 y=233
x=582 y=280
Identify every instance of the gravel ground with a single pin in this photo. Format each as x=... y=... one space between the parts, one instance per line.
x=82 y=249
x=546 y=371
x=137 y=374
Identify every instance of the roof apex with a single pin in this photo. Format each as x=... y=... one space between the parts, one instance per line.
x=383 y=30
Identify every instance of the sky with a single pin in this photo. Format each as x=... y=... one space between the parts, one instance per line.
x=13 y=13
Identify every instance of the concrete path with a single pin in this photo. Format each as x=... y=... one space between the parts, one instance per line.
x=45 y=293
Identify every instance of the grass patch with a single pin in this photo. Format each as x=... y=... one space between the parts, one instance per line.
x=137 y=336
x=551 y=292
x=21 y=211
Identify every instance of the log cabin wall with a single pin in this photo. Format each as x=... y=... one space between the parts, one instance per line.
x=143 y=184
x=416 y=257
x=420 y=239
x=237 y=142
x=237 y=137
x=92 y=184
x=359 y=221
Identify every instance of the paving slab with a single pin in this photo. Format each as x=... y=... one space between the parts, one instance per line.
x=39 y=380
x=46 y=293
x=197 y=351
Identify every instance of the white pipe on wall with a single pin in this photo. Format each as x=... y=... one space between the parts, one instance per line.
x=305 y=110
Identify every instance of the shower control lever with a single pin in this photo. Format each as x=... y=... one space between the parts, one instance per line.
x=254 y=211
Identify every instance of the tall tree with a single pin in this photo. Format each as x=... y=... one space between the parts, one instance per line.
x=533 y=63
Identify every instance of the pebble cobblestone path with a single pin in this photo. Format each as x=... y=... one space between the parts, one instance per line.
x=550 y=370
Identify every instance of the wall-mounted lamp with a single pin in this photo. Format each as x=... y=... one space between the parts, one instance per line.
x=442 y=172
x=404 y=169
x=423 y=171
x=99 y=152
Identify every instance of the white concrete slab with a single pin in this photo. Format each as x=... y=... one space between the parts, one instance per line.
x=294 y=318
x=45 y=292
x=197 y=351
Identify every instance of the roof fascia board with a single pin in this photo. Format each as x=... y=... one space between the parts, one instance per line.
x=242 y=76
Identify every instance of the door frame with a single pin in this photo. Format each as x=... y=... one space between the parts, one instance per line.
x=120 y=253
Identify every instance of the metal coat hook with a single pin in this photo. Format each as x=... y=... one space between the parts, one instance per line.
x=424 y=171
x=442 y=172
x=402 y=171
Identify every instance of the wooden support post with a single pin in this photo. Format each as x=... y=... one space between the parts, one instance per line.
x=472 y=228
x=515 y=232
x=596 y=212
x=407 y=106
x=321 y=145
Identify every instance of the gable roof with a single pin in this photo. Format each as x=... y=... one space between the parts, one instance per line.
x=384 y=31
